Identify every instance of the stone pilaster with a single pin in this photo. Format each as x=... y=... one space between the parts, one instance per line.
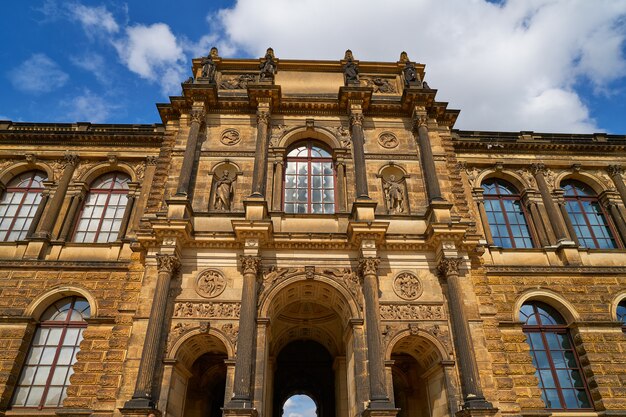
x=70 y=218
x=368 y=267
x=196 y=116
x=420 y=124
x=556 y=219
x=167 y=266
x=615 y=172
x=477 y=193
x=358 y=139
x=70 y=161
x=242 y=397
x=259 y=176
x=473 y=397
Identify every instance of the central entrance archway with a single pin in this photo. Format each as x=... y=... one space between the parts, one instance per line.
x=310 y=345
x=305 y=367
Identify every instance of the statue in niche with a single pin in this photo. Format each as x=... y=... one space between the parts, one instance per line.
x=394 y=195
x=223 y=192
x=268 y=67
x=208 y=66
x=350 y=69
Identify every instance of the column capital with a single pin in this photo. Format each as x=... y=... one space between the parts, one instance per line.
x=263 y=115
x=614 y=170
x=70 y=159
x=449 y=266
x=250 y=264
x=369 y=265
x=196 y=115
x=356 y=118
x=167 y=263
x=538 y=168
x=152 y=160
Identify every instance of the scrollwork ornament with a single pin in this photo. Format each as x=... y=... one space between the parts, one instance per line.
x=250 y=264
x=230 y=137
x=167 y=263
x=210 y=283
x=369 y=265
x=449 y=266
x=407 y=286
x=140 y=170
x=152 y=160
x=527 y=176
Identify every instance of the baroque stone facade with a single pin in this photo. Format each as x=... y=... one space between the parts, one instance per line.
x=310 y=227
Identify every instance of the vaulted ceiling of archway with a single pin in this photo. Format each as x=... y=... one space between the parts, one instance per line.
x=199 y=345
x=311 y=292
x=425 y=353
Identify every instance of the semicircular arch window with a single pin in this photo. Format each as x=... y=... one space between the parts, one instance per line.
x=19 y=203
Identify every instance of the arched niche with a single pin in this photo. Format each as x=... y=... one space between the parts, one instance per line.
x=224 y=197
x=395 y=192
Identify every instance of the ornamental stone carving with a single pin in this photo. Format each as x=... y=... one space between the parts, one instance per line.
x=230 y=137
x=210 y=283
x=152 y=160
x=196 y=116
x=411 y=312
x=356 y=118
x=167 y=263
x=449 y=266
x=407 y=286
x=380 y=84
x=388 y=140
x=250 y=264
x=223 y=192
x=236 y=82
x=209 y=309
x=394 y=192
x=369 y=266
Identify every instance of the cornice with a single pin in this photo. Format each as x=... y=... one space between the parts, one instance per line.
x=553 y=270
x=76 y=265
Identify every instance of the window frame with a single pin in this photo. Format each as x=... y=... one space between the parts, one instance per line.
x=499 y=197
x=309 y=144
x=594 y=200
x=64 y=325
x=622 y=319
x=109 y=192
x=561 y=329
x=26 y=191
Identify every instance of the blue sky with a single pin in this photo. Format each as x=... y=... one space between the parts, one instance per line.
x=543 y=65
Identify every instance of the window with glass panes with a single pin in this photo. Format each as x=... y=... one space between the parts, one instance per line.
x=46 y=373
x=621 y=313
x=587 y=215
x=102 y=213
x=506 y=215
x=19 y=204
x=557 y=367
x=309 y=180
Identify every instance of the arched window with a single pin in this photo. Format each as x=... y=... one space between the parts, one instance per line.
x=621 y=313
x=506 y=215
x=46 y=373
x=587 y=216
x=558 y=370
x=19 y=204
x=104 y=207
x=309 y=180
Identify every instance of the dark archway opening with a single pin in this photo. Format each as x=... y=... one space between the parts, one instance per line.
x=206 y=387
x=300 y=405
x=305 y=367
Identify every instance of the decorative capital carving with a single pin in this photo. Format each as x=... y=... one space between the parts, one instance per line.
x=70 y=159
x=369 y=266
x=263 y=117
x=250 y=264
x=30 y=158
x=538 y=168
x=449 y=266
x=196 y=116
x=614 y=170
x=152 y=160
x=356 y=118
x=420 y=120
x=167 y=263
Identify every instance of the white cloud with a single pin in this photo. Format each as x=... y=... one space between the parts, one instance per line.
x=87 y=107
x=38 y=74
x=513 y=66
x=95 y=64
x=93 y=19
x=299 y=406
x=154 y=53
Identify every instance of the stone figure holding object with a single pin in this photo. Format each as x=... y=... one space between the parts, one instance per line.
x=223 y=192
x=268 y=67
x=394 y=194
x=350 y=69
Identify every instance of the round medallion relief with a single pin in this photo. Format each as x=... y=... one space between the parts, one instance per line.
x=210 y=283
x=407 y=286
x=230 y=137
x=388 y=140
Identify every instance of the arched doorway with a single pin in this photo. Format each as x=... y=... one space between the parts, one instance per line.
x=419 y=380
x=310 y=344
x=197 y=377
x=305 y=367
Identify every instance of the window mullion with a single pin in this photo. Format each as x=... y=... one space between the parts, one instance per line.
x=555 y=377
x=505 y=215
